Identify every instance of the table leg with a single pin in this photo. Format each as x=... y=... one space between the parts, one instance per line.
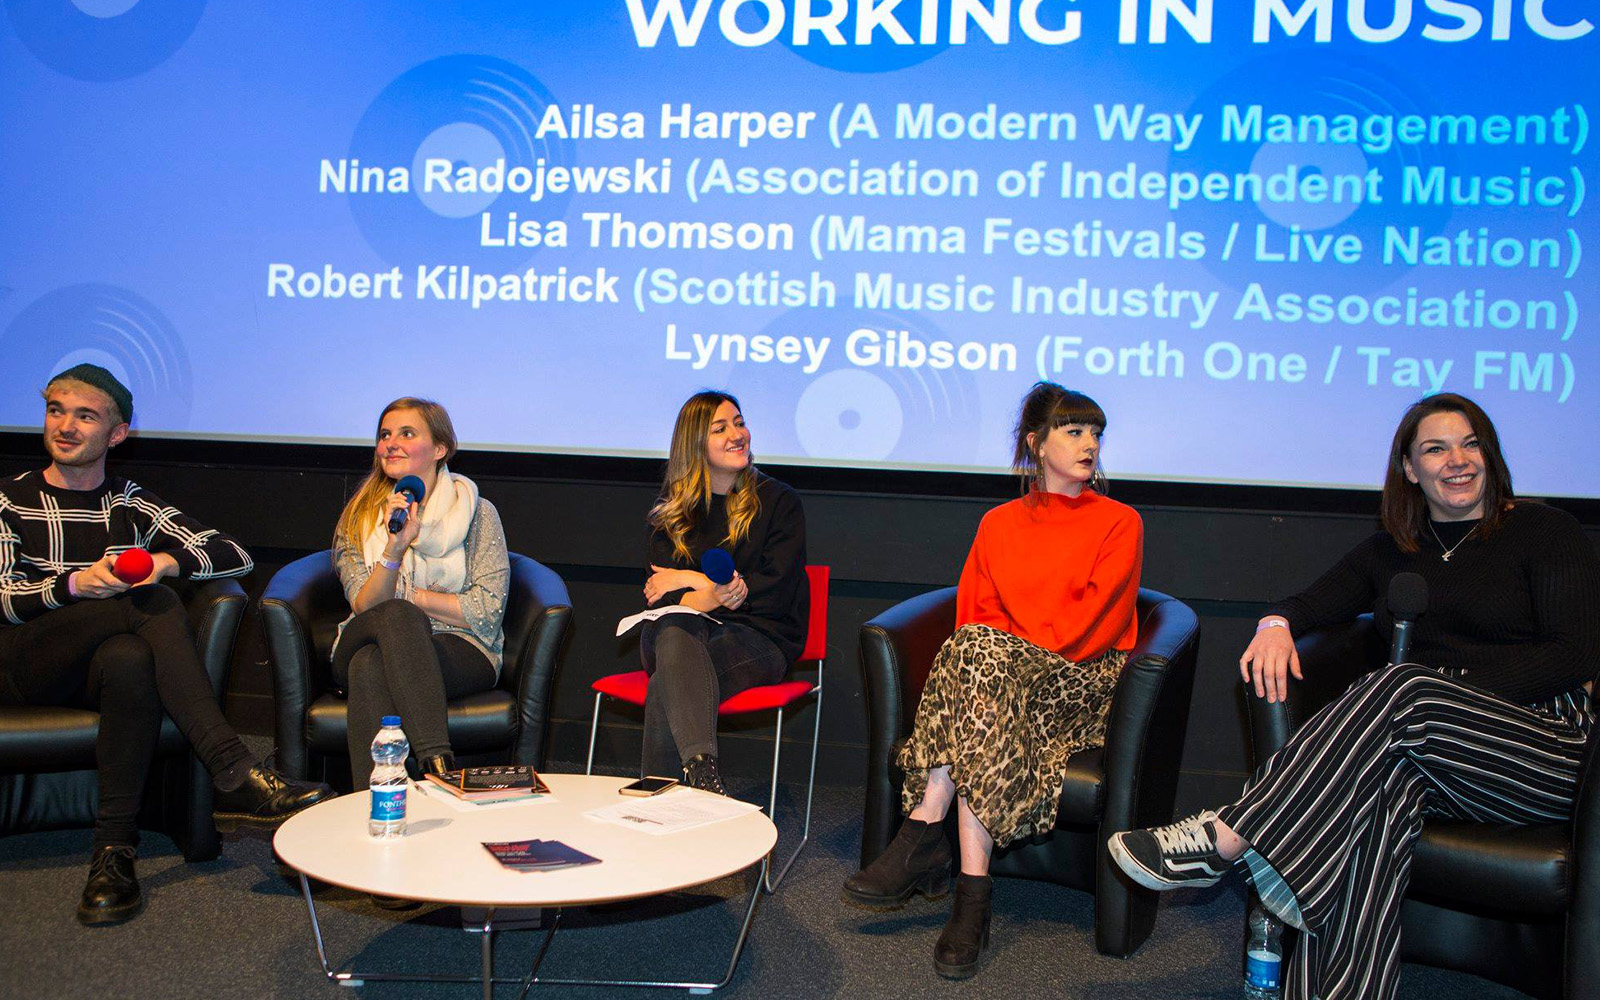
x=488 y=954
x=345 y=977
x=695 y=988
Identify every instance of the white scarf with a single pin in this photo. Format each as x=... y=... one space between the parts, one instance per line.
x=437 y=560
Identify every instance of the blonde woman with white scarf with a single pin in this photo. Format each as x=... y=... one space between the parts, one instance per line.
x=426 y=602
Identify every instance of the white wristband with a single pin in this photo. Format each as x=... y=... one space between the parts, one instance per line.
x=1272 y=623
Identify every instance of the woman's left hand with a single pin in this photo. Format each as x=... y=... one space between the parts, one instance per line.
x=664 y=581
x=733 y=593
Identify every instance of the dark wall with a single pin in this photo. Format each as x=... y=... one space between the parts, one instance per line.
x=1227 y=559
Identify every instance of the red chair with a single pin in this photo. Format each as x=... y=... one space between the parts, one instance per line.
x=631 y=687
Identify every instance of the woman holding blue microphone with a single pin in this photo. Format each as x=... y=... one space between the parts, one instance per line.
x=423 y=562
x=717 y=519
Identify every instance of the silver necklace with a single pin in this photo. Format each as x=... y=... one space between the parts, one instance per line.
x=1446 y=556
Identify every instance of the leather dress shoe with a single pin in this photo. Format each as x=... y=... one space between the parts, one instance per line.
x=266 y=798
x=700 y=771
x=112 y=894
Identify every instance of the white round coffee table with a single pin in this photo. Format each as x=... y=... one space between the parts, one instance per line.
x=441 y=859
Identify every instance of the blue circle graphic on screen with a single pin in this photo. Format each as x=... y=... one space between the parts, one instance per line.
x=473 y=122
x=104 y=325
x=103 y=40
x=888 y=404
x=896 y=39
x=1308 y=83
x=849 y=414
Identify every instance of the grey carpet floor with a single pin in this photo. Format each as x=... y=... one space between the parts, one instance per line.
x=237 y=927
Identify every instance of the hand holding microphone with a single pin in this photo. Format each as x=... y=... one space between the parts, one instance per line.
x=411 y=489
x=404 y=522
x=113 y=575
x=727 y=584
x=133 y=566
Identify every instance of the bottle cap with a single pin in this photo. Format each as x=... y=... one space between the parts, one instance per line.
x=391 y=720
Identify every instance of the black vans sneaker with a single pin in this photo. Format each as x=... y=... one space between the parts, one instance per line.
x=1167 y=857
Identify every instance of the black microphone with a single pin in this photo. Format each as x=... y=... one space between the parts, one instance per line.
x=1408 y=599
x=717 y=565
x=413 y=489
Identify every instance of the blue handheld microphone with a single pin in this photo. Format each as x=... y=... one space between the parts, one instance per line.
x=412 y=489
x=717 y=565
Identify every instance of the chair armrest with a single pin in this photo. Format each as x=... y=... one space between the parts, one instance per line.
x=897 y=650
x=538 y=621
x=1331 y=659
x=1144 y=747
x=214 y=609
x=298 y=596
x=1150 y=716
x=1583 y=919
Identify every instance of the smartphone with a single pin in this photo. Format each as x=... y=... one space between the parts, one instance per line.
x=648 y=786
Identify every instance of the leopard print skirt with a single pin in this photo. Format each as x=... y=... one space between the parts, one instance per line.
x=1004 y=715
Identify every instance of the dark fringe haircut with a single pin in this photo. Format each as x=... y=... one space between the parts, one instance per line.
x=1046 y=407
x=1404 y=509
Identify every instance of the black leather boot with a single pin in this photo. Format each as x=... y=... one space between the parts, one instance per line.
x=956 y=954
x=439 y=763
x=916 y=860
x=112 y=894
x=266 y=798
x=700 y=771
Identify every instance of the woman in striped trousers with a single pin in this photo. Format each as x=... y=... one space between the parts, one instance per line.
x=1488 y=725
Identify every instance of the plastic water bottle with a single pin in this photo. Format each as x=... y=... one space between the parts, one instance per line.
x=1263 y=955
x=388 y=783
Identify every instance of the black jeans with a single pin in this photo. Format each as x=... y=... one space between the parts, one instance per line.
x=127 y=657
x=694 y=664
x=390 y=662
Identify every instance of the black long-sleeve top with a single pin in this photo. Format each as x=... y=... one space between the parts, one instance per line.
x=47 y=533
x=1516 y=614
x=771 y=558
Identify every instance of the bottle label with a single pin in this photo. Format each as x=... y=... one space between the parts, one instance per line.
x=389 y=804
x=1261 y=969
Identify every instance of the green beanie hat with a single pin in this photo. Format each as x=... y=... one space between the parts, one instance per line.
x=104 y=381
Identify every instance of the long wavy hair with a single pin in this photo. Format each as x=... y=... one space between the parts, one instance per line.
x=1404 y=507
x=686 y=487
x=1046 y=407
x=370 y=499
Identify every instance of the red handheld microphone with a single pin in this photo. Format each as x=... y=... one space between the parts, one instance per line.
x=133 y=565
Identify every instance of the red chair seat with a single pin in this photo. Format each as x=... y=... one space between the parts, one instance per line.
x=631 y=687
x=767 y=696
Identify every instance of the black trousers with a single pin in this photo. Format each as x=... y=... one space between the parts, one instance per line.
x=391 y=662
x=127 y=657
x=1337 y=812
x=695 y=664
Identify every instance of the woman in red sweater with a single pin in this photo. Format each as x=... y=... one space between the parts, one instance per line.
x=1045 y=619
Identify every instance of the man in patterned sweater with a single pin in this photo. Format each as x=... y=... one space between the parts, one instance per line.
x=72 y=633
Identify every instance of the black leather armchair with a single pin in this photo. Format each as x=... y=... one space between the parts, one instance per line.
x=1130 y=782
x=301 y=610
x=47 y=754
x=1519 y=905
